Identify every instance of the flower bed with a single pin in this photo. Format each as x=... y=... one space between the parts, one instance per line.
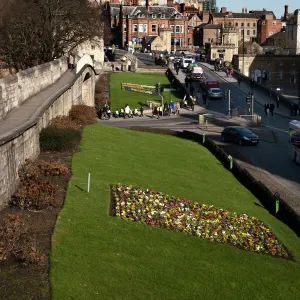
x=180 y=214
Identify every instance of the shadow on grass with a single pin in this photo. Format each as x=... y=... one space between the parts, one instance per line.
x=81 y=189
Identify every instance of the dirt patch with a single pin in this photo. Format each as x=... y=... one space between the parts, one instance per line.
x=19 y=281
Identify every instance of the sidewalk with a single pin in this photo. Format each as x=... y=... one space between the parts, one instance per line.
x=283 y=110
x=22 y=114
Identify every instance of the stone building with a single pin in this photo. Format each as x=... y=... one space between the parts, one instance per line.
x=136 y=22
x=162 y=42
x=245 y=22
x=293 y=33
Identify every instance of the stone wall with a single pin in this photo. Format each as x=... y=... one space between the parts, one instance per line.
x=15 y=89
x=15 y=147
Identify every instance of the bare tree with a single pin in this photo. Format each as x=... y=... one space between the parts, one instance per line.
x=38 y=31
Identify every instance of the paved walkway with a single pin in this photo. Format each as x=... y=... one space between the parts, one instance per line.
x=18 y=116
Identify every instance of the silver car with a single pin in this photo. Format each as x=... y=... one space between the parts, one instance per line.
x=215 y=93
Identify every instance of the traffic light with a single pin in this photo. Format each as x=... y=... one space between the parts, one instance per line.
x=248 y=99
x=157 y=88
x=227 y=95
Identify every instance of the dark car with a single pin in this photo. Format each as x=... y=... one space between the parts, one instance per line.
x=240 y=135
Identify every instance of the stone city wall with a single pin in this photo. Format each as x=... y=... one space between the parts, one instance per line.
x=15 y=89
x=23 y=143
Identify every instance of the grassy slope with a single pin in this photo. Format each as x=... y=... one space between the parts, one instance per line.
x=100 y=257
x=119 y=97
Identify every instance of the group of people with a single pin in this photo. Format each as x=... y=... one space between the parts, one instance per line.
x=269 y=108
x=127 y=112
x=167 y=110
x=104 y=113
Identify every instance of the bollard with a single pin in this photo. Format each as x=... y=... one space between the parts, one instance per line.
x=230 y=162
x=276 y=197
x=203 y=138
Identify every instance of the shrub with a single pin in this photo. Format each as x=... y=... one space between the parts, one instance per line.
x=83 y=115
x=28 y=171
x=38 y=195
x=59 y=139
x=53 y=168
x=64 y=122
x=12 y=229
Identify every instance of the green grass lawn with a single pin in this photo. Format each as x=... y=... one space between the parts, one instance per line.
x=119 y=97
x=95 y=256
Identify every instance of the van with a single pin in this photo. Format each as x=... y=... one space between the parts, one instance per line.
x=186 y=62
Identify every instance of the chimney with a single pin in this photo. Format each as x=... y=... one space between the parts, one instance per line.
x=286 y=11
x=223 y=9
x=182 y=7
x=243 y=10
x=170 y=2
x=147 y=5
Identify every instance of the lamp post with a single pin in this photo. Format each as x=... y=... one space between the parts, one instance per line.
x=243 y=30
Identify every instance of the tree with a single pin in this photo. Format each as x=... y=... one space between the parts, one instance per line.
x=37 y=31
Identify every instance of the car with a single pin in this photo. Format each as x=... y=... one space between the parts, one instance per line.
x=239 y=134
x=215 y=93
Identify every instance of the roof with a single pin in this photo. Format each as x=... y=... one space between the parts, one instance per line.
x=260 y=13
x=209 y=26
x=150 y=38
x=135 y=11
x=234 y=15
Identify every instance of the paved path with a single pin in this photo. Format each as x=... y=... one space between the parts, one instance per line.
x=18 y=116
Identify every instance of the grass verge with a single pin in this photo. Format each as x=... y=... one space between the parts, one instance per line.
x=100 y=257
x=119 y=98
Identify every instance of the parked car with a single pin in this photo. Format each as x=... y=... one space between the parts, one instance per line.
x=215 y=93
x=240 y=135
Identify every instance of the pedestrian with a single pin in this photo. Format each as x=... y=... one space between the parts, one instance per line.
x=266 y=108
x=141 y=111
x=177 y=108
x=192 y=90
x=71 y=61
x=108 y=112
x=186 y=81
x=231 y=72
x=239 y=80
x=277 y=101
x=272 y=107
x=177 y=69
x=227 y=72
x=204 y=96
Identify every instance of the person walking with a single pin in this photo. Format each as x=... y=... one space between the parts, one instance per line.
x=186 y=81
x=177 y=69
x=272 y=107
x=239 y=80
x=141 y=111
x=177 y=108
x=266 y=108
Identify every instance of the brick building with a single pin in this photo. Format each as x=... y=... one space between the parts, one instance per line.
x=133 y=23
x=267 y=24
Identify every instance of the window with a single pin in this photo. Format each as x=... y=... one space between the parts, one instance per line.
x=254 y=24
x=254 y=32
x=248 y=32
x=274 y=22
x=153 y=28
x=248 y=24
x=279 y=74
x=264 y=22
x=125 y=28
x=135 y=28
x=153 y=16
x=177 y=29
x=242 y=24
x=181 y=29
x=236 y=24
x=163 y=16
x=172 y=28
x=141 y=27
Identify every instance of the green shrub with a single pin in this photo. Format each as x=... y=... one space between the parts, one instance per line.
x=83 y=114
x=59 y=139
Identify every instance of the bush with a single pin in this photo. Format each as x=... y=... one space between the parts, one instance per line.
x=83 y=115
x=12 y=242
x=28 y=171
x=37 y=195
x=59 y=139
x=53 y=168
x=64 y=122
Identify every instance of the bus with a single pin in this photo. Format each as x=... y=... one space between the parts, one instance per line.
x=294 y=140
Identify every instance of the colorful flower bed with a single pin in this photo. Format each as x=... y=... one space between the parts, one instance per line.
x=214 y=224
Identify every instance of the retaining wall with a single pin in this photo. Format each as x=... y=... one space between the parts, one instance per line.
x=15 y=89
x=23 y=142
